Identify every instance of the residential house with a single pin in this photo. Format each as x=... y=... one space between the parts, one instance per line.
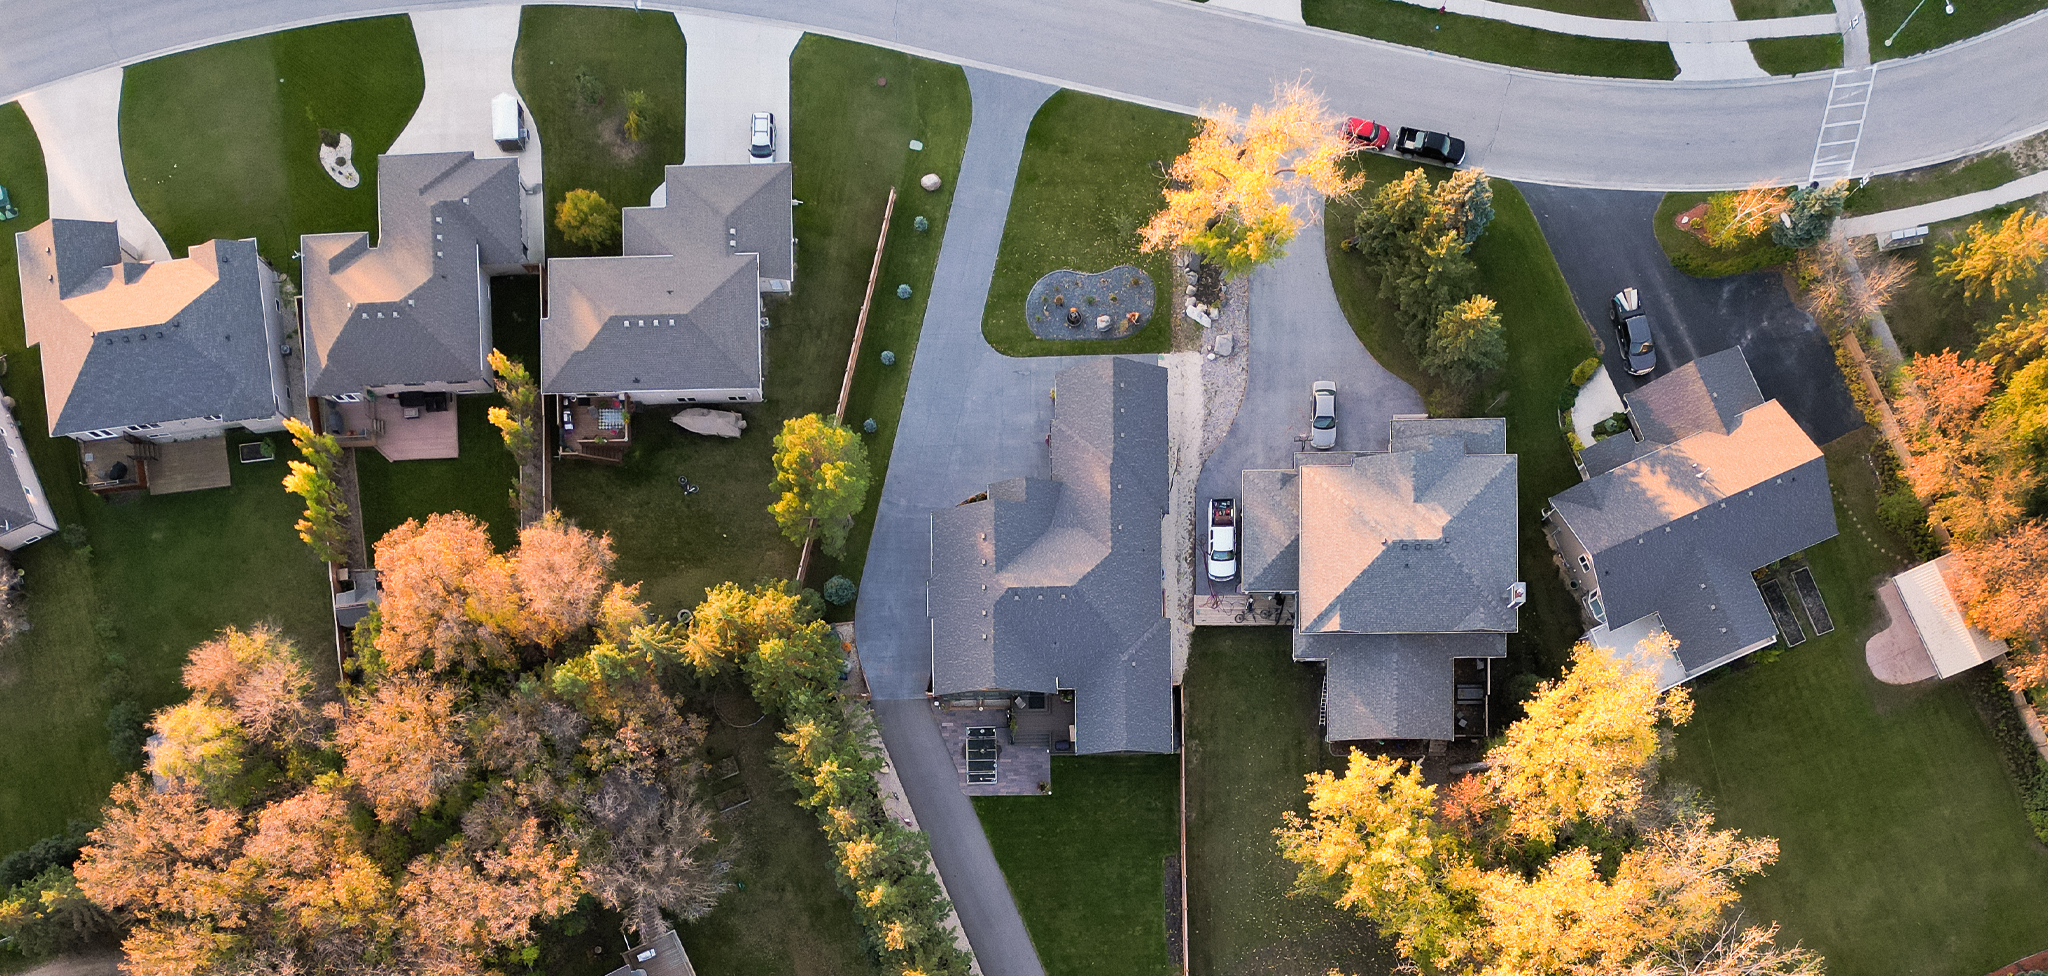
x=25 y=514
x=413 y=313
x=1401 y=566
x=1712 y=483
x=1054 y=585
x=157 y=351
x=677 y=317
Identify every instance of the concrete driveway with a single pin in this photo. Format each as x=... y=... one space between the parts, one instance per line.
x=79 y=124
x=1604 y=242
x=735 y=68
x=467 y=57
x=971 y=416
x=1299 y=335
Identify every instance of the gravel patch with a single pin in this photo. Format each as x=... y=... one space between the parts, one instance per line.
x=1066 y=304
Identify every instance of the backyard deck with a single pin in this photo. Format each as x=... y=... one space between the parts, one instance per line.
x=599 y=428
x=189 y=466
x=399 y=431
x=1023 y=755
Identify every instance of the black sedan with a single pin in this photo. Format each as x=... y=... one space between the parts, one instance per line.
x=1434 y=146
x=1632 y=330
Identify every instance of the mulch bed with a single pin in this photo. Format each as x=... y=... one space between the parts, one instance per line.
x=1119 y=293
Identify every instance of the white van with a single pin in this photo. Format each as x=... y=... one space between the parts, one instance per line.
x=508 y=122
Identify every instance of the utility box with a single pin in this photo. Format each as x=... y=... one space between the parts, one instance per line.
x=508 y=122
x=1893 y=240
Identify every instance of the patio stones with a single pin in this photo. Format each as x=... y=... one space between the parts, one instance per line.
x=1113 y=304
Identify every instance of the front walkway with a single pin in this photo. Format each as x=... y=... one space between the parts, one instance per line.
x=735 y=68
x=467 y=54
x=938 y=462
x=79 y=124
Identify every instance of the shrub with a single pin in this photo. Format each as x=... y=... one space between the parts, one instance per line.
x=126 y=732
x=1611 y=426
x=840 y=591
x=1583 y=372
x=589 y=90
x=921 y=224
x=587 y=219
x=902 y=291
x=869 y=426
x=888 y=358
x=1902 y=513
x=55 y=851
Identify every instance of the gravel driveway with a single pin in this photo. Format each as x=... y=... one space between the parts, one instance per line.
x=1604 y=242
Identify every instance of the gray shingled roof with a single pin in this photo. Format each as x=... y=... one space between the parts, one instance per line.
x=1269 y=530
x=1482 y=435
x=680 y=308
x=127 y=343
x=1413 y=541
x=1052 y=584
x=1608 y=453
x=1705 y=394
x=1677 y=531
x=1392 y=686
x=411 y=309
x=20 y=490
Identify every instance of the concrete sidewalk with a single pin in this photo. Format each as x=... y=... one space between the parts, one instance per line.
x=78 y=122
x=734 y=69
x=467 y=54
x=1689 y=31
x=1949 y=209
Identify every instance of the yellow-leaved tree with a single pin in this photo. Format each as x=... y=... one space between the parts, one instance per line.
x=1557 y=859
x=822 y=469
x=1586 y=742
x=1991 y=260
x=1247 y=181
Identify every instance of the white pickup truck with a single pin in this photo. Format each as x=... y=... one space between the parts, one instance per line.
x=1222 y=538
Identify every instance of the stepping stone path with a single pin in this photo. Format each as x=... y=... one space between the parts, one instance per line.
x=1113 y=304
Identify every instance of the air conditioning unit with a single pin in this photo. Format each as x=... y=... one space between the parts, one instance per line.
x=1518 y=594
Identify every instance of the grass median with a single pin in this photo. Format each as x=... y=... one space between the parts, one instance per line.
x=1933 y=26
x=1792 y=55
x=224 y=141
x=1693 y=256
x=573 y=67
x=1492 y=40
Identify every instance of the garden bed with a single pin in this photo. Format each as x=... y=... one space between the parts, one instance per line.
x=1076 y=305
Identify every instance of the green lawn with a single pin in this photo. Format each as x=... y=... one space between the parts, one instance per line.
x=1692 y=256
x=1914 y=187
x=574 y=66
x=849 y=145
x=114 y=618
x=1088 y=863
x=1546 y=338
x=1902 y=846
x=1792 y=55
x=1767 y=9
x=1932 y=28
x=1492 y=40
x=480 y=481
x=224 y=141
x=1609 y=9
x=1085 y=186
x=787 y=915
x=1251 y=738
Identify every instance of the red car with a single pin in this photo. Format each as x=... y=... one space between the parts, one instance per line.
x=1367 y=134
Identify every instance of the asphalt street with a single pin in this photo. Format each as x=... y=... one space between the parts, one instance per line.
x=971 y=416
x=1299 y=335
x=1604 y=242
x=1524 y=125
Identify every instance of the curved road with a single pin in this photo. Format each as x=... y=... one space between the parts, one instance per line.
x=1522 y=125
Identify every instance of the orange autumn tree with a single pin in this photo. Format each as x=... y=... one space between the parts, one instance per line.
x=285 y=835
x=2003 y=587
x=1496 y=873
x=1241 y=191
x=1967 y=465
x=1739 y=216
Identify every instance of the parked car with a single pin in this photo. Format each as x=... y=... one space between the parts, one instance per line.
x=761 y=144
x=1367 y=134
x=508 y=122
x=1322 y=433
x=1434 y=146
x=1632 y=330
x=1222 y=538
